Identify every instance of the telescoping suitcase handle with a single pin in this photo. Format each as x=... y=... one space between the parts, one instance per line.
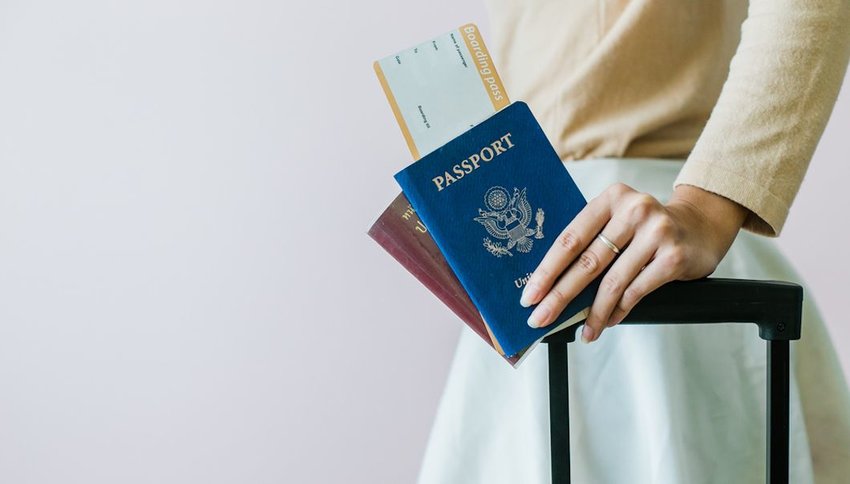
x=776 y=307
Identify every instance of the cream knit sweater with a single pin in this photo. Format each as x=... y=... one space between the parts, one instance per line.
x=743 y=95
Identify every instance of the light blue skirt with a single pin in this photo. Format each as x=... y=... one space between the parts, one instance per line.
x=649 y=404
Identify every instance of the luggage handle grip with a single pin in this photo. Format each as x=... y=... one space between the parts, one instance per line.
x=776 y=307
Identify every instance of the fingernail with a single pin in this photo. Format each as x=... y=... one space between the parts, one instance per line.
x=528 y=295
x=586 y=334
x=538 y=316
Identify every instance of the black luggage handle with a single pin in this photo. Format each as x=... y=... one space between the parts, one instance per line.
x=776 y=307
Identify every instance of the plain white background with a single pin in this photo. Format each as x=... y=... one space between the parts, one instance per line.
x=187 y=293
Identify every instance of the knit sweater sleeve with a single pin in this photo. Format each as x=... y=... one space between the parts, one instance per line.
x=779 y=93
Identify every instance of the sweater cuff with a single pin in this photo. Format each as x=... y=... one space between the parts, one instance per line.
x=767 y=212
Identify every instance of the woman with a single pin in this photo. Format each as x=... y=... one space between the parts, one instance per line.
x=742 y=93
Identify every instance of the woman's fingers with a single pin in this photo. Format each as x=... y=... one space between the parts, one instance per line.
x=580 y=256
x=661 y=270
x=578 y=234
x=673 y=241
x=585 y=269
x=576 y=237
x=615 y=282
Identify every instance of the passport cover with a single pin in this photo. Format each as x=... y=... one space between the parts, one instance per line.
x=494 y=199
x=401 y=233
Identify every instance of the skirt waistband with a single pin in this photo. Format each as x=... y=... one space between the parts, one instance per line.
x=650 y=175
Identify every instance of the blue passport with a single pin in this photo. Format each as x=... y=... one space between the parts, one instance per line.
x=495 y=199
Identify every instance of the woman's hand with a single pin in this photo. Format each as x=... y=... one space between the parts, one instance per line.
x=684 y=239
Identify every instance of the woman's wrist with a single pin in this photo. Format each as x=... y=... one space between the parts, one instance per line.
x=720 y=217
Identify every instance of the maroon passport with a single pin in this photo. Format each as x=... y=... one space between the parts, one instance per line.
x=400 y=232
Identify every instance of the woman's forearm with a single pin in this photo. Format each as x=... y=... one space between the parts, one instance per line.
x=782 y=84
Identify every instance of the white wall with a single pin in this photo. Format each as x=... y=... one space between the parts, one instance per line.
x=187 y=293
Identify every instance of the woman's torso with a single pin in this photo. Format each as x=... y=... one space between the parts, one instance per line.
x=617 y=78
